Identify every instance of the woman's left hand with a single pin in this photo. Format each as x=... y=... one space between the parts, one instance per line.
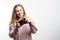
x=28 y=19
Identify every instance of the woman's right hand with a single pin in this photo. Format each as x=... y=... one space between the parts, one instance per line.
x=18 y=24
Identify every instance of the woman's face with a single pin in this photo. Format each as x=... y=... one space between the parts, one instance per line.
x=19 y=11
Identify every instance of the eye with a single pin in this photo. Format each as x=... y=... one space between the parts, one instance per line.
x=17 y=10
x=20 y=9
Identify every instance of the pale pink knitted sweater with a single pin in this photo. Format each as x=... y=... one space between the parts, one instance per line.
x=23 y=33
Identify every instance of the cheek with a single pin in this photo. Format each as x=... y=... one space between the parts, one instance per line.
x=21 y=13
x=17 y=13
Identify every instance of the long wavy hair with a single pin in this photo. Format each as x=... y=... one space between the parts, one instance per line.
x=14 y=17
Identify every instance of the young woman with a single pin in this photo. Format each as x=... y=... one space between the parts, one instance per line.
x=21 y=27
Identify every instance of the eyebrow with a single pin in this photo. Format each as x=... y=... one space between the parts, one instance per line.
x=17 y=10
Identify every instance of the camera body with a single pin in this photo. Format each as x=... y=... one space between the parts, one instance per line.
x=23 y=21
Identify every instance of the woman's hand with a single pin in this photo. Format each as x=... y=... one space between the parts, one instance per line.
x=28 y=19
x=18 y=24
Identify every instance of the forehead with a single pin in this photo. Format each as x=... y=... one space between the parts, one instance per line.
x=18 y=8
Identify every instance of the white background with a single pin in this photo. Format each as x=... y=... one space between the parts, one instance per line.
x=45 y=14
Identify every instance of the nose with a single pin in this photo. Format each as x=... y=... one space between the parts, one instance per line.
x=18 y=12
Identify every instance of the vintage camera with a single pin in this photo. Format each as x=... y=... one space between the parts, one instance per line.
x=23 y=21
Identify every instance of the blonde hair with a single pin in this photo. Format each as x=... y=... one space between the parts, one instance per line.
x=13 y=18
